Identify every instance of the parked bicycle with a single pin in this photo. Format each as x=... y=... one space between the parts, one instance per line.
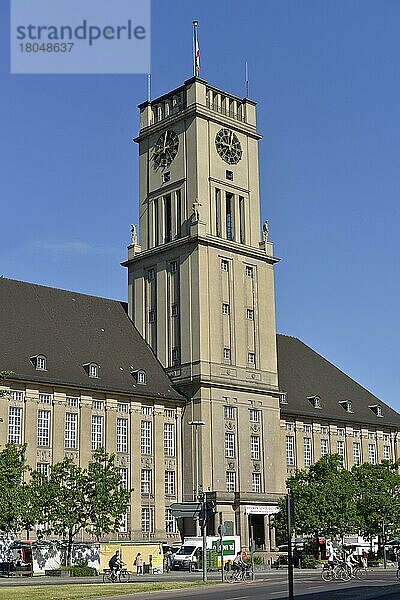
x=243 y=575
x=116 y=576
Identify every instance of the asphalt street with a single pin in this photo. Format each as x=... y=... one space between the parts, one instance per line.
x=270 y=585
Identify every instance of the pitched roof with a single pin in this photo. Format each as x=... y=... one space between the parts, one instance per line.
x=72 y=330
x=303 y=373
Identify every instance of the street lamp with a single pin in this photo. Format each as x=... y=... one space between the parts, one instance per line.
x=196 y=425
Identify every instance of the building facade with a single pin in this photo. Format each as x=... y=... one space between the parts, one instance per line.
x=201 y=293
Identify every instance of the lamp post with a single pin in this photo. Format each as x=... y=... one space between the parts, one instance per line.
x=196 y=425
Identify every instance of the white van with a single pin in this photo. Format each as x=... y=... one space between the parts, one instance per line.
x=188 y=555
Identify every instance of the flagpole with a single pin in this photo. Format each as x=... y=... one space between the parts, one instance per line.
x=149 y=84
x=195 y=48
x=246 y=74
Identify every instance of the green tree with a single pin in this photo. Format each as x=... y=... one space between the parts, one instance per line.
x=377 y=499
x=12 y=469
x=76 y=499
x=323 y=499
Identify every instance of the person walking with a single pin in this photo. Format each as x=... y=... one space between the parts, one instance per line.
x=138 y=563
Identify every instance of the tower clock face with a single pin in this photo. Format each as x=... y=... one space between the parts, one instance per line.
x=228 y=146
x=165 y=149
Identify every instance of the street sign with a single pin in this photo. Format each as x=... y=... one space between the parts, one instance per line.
x=186 y=509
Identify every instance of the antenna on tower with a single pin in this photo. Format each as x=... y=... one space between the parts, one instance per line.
x=148 y=84
x=246 y=78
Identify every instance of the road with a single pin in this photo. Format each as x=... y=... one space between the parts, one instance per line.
x=271 y=585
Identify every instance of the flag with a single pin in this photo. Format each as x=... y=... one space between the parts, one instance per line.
x=196 y=50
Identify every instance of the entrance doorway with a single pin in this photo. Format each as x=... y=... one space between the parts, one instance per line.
x=256 y=525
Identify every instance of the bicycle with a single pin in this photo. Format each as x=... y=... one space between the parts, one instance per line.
x=360 y=572
x=239 y=575
x=337 y=571
x=114 y=576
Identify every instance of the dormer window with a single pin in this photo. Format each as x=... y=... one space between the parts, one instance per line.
x=315 y=401
x=347 y=405
x=139 y=376
x=39 y=362
x=377 y=410
x=92 y=369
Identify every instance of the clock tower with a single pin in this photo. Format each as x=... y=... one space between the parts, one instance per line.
x=201 y=293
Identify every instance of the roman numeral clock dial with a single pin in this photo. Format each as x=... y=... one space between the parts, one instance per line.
x=228 y=146
x=165 y=149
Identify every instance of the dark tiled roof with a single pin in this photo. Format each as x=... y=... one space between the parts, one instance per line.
x=303 y=373
x=71 y=330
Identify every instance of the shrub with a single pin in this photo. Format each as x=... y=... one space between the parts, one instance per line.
x=80 y=571
x=309 y=562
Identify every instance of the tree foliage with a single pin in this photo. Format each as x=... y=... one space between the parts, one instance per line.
x=12 y=469
x=76 y=499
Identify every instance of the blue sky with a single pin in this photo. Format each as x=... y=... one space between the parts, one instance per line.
x=326 y=76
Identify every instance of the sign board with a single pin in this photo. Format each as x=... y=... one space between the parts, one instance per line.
x=256 y=509
x=186 y=509
x=228 y=545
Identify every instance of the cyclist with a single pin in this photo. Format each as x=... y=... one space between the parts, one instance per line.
x=115 y=563
x=352 y=562
x=238 y=563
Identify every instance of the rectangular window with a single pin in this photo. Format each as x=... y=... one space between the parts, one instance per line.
x=386 y=453
x=147 y=410
x=152 y=316
x=43 y=428
x=230 y=445
x=41 y=363
x=169 y=413
x=386 y=437
x=255 y=447
x=324 y=430
x=229 y=175
x=151 y=275
x=230 y=481
x=290 y=450
x=371 y=435
x=250 y=314
x=169 y=483
x=218 y=213
x=307 y=429
x=97 y=432
x=146 y=441
x=307 y=452
x=178 y=213
x=251 y=358
x=324 y=447
x=256 y=482
x=254 y=415
x=147 y=519
x=372 y=454
x=175 y=356
x=123 y=471
x=340 y=451
x=356 y=433
x=169 y=439
x=173 y=266
x=229 y=412
x=229 y=215
x=123 y=527
x=249 y=271
x=357 y=453
x=224 y=265
x=174 y=310
x=122 y=407
x=289 y=426
x=242 y=220
x=98 y=405
x=72 y=401
x=14 y=425
x=43 y=468
x=45 y=398
x=71 y=430
x=122 y=435
x=227 y=353
x=18 y=396
x=170 y=524
x=146 y=481
x=225 y=309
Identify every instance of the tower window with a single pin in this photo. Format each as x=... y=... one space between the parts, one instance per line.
x=242 y=220
x=227 y=353
x=251 y=358
x=168 y=218
x=174 y=310
x=175 y=356
x=250 y=314
x=150 y=274
x=229 y=215
x=173 y=266
x=229 y=175
x=224 y=265
x=152 y=316
x=218 y=212
x=225 y=308
x=249 y=271
x=166 y=177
